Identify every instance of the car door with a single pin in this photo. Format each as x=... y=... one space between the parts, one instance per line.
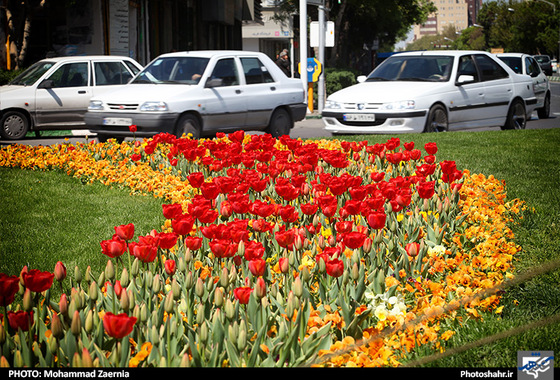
x=264 y=92
x=63 y=98
x=540 y=81
x=223 y=103
x=498 y=89
x=468 y=97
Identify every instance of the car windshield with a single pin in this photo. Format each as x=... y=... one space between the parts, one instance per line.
x=32 y=74
x=181 y=70
x=416 y=68
x=513 y=62
x=542 y=58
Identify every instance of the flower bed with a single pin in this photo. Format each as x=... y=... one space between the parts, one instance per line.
x=274 y=252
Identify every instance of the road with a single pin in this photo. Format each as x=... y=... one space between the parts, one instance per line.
x=312 y=126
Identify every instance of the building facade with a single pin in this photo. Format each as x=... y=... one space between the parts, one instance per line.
x=458 y=13
x=141 y=29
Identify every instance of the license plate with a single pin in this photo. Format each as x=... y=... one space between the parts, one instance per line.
x=359 y=117
x=117 y=121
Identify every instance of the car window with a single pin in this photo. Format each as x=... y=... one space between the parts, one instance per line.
x=255 y=71
x=514 y=63
x=226 y=71
x=489 y=69
x=413 y=68
x=467 y=67
x=132 y=67
x=32 y=74
x=533 y=67
x=110 y=73
x=71 y=75
x=179 y=70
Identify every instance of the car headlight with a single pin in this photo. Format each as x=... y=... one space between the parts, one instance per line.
x=154 y=107
x=331 y=104
x=95 y=105
x=396 y=106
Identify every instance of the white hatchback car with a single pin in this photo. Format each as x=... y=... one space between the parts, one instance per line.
x=527 y=65
x=201 y=93
x=54 y=93
x=432 y=91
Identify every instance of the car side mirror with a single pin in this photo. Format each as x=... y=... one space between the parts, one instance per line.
x=217 y=82
x=464 y=79
x=361 y=79
x=48 y=83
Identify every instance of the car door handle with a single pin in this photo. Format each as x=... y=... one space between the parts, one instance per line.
x=81 y=92
x=238 y=91
x=273 y=88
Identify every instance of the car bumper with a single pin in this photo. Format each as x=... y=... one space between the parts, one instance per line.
x=298 y=111
x=147 y=124
x=397 y=122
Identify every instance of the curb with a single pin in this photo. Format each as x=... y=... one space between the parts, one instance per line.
x=554 y=78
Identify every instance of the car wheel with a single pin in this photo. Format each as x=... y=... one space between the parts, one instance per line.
x=544 y=112
x=14 y=125
x=188 y=124
x=280 y=123
x=437 y=119
x=517 y=116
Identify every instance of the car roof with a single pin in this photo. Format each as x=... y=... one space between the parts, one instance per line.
x=454 y=53
x=512 y=54
x=86 y=57
x=212 y=53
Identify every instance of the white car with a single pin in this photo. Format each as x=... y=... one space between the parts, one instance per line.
x=527 y=65
x=54 y=93
x=201 y=93
x=432 y=91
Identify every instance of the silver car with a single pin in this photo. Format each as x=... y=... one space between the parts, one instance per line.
x=527 y=65
x=201 y=93
x=54 y=93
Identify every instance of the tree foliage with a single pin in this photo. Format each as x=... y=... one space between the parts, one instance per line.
x=360 y=23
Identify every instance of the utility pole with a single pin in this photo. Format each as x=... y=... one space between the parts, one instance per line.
x=303 y=45
x=321 y=84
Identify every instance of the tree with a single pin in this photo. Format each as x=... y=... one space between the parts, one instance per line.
x=19 y=18
x=358 y=23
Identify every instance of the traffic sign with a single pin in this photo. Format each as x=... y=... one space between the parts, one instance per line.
x=314 y=69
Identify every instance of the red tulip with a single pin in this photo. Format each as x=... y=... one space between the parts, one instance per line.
x=132 y=128
x=183 y=224
x=284 y=264
x=209 y=190
x=196 y=179
x=412 y=249
x=170 y=267
x=335 y=267
x=118 y=326
x=354 y=239
x=59 y=271
x=222 y=248
x=257 y=267
x=37 y=281
x=20 y=320
x=285 y=238
x=125 y=231
x=431 y=148
x=146 y=253
x=242 y=294
x=376 y=220
x=9 y=286
x=426 y=189
x=193 y=242
x=167 y=240
x=114 y=247
x=172 y=211
x=253 y=250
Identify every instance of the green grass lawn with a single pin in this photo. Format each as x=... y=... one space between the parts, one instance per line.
x=48 y=216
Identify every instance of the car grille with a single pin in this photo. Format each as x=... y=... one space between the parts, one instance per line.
x=361 y=106
x=122 y=106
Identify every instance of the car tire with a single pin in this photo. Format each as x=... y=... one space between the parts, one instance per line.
x=437 y=120
x=188 y=124
x=544 y=112
x=15 y=125
x=280 y=123
x=517 y=116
